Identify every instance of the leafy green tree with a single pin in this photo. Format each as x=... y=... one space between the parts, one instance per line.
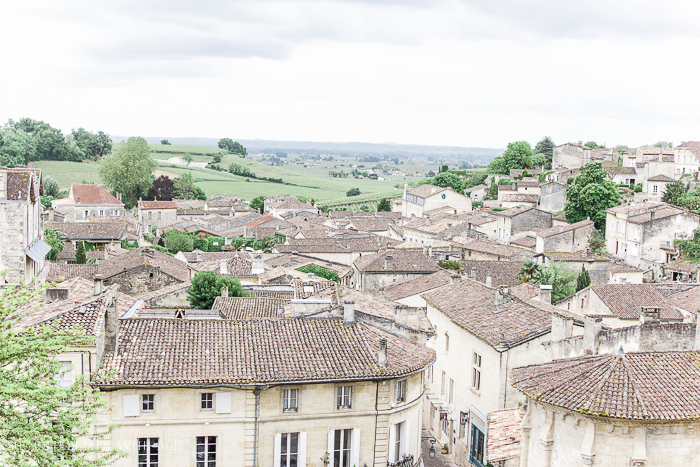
x=41 y=421
x=596 y=242
x=476 y=179
x=518 y=155
x=384 y=205
x=583 y=280
x=206 y=286
x=184 y=188
x=590 y=194
x=353 y=192
x=80 y=257
x=529 y=270
x=161 y=190
x=594 y=145
x=497 y=166
x=546 y=146
x=129 y=170
x=16 y=147
x=365 y=208
x=92 y=146
x=54 y=240
x=561 y=280
x=444 y=168
x=165 y=142
x=46 y=201
x=51 y=187
x=675 y=192
x=539 y=160
x=449 y=180
x=258 y=203
x=233 y=147
x=187 y=158
x=177 y=241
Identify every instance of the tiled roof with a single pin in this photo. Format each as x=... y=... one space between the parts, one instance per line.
x=140 y=256
x=172 y=352
x=660 y=178
x=520 y=198
x=525 y=242
x=616 y=169
x=688 y=300
x=625 y=301
x=360 y=214
x=427 y=190
x=23 y=184
x=146 y=205
x=529 y=184
x=637 y=208
x=560 y=229
x=511 y=212
x=419 y=285
x=683 y=265
x=70 y=271
x=168 y=289
x=501 y=272
x=88 y=193
x=633 y=386
x=614 y=268
x=403 y=261
x=559 y=217
x=493 y=248
x=503 y=438
x=193 y=256
x=189 y=203
x=260 y=221
x=103 y=230
x=575 y=256
x=244 y=308
x=693 y=146
x=290 y=202
x=507 y=188
x=660 y=213
x=472 y=306
x=338 y=244
x=371 y=225
x=525 y=290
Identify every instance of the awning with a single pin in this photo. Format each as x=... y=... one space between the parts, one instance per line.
x=38 y=251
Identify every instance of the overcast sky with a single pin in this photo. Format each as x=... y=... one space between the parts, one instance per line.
x=469 y=73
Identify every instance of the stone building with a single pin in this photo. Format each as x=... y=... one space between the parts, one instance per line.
x=156 y=213
x=611 y=410
x=377 y=272
x=596 y=265
x=571 y=155
x=424 y=198
x=552 y=196
x=22 y=246
x=655 y=186
x=143 y=270
x=102 y=235
x=485 y=250
x=279 y=206
x=518 y=222
x=86 y=201
x=570 y=238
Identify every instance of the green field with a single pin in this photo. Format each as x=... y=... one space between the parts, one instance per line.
x=301 y=177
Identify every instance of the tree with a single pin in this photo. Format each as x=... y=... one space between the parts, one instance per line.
x=206 y=286
x=92 y=146
x=40 y=420
x=161 y=190
x=594 y=145
x=54 y=240
x=561 y=280
x=546 y=147
x=16 y=147
x=448 y=180
x=384 y=205
x=675 y=192
x=129 y=170
x=497 y=166
x=80 y=257
x=583 y=280
x=51 y=187
x=529 y=270
x=176 y=240
x=518 y=155
x=258 y=203
x=596 y=242
x=353 y=192
x=187 y=158
x=590 y=194
x=165 y=142
x=183 y=187
x=444 y=168
x=233 y=147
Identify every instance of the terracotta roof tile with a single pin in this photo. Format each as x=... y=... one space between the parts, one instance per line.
x=70 y=271
x=245 y=308
x=90 y=193
x=140 y=256
x=501 y=272
x=419 y=285
x=403 y=261
x=147 y=205
x=427 y=190
x=103 y=230
x=503 y=438
x=560 y=229
x=626 y=300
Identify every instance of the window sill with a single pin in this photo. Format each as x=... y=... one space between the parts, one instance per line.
x=475 y=391
x=289 y=410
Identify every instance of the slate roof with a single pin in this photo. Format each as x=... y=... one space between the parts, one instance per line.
x=632 y=386
x=245 y=308
x=419 y=285
x=625 y=301
x=427 y=190
x=560 y=229
x=70 y=271
x=147 y=205
x=403 y=261
x=472 y=306
x=90 y=193
x=140 y=256
x=501 y=272
x=503 y=437
x=103 y=230
x=172 y=352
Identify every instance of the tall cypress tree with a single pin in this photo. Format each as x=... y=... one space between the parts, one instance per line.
x=80 y=254
x=583 y=280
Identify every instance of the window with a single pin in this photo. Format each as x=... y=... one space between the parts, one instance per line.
x=476 y=452
x=148 y=403
x=397 y=442
x=85 y=214
x=341 y=447
x=344 y=396
x=582 y=304
x=206 y=451
x=476 y=371
x=148 y=452
x=401 y=390
x=289 y=400
x=289 y=450
x=65 y=379
x=656 y=189
x=149 y=215
x=102 y=213
x=207 y=401
x=447 y=342
x=452 y=391
x=442 y=384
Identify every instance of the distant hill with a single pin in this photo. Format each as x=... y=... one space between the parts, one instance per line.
x=351 y=148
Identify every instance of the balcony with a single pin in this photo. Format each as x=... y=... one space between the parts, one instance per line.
x=407 y=461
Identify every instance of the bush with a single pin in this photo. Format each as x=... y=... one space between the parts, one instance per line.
x=498 y=209
x=175 y=241
x=455 y=265
x=206 y=286
x=638 y=188
x=321 y=272
x=353 y=192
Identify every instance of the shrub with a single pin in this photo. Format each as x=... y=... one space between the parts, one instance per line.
x=321 y=272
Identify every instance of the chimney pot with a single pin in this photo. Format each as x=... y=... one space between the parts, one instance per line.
x=382 y=352
x=349 y=312
x=388 y=262
x=99 y=284
x=224 y=291
x=473 y=273
x=489 y=280
x=223 y=267
x=545 y=294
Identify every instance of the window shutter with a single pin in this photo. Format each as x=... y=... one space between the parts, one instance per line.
x=405 y=438
x=278 y=449
x=301 y=457
x=355 y=448
x=331 y=436
x=392 y=442
x=130 y=405
x=223 y=402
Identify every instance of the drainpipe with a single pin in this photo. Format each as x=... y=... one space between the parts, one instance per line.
x=255 y=426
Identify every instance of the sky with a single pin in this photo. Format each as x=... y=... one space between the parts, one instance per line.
x=469 y=73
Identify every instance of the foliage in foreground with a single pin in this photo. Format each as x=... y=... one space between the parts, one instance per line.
x=590 y=194
x=554 y=274
x=206 y=286
x=40 y=420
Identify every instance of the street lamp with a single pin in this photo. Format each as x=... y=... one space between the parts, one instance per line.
x=431 y=451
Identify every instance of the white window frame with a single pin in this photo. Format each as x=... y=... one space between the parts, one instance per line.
x=206 y=401
x=401 y=386
x=451 y=398
x=65 y=379
x=148 y=403
x=399 y=440
x=290 y=400
x=286 y=451
x=102 y=213
x=476 y=371
x=301 y=450
x=151 y=447
x=344 y=397
x=206 y=445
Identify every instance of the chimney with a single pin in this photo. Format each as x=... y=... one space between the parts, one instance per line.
x=562 y=326
x=502 y=295
x=430 y=250
x=382 y=352
x=111 y=328
x=591 y=330
x=488 y=280
x=473 y=273
x=99 y=285
x=224 y=292
x=349 y=312
x=407 y=315
x=199 y=256
x=294 y=254
x=589 y=255
x=106 y=253
x=545 y=295
x=650 y=315
x=388 y=262
x=223 y=267
x=653 y=214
